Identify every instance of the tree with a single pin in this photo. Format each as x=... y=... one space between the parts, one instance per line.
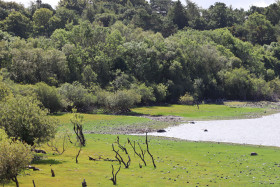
x=259 y=29
x=48 y=96
x=192 y=10
x=119 y=102
x=146 y=93
x=178 y=15
x=17 y=24
x=14 y=157
x=77 y=96
x=22 y=118
x=237 y=84
x=77 y=121
x=5 y=91
x=41 y=20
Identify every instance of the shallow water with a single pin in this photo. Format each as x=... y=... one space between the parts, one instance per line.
x=259 y=131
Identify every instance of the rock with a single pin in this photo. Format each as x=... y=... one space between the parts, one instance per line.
x=205 y=130
x=33 y=167
x=192 y=122
x=161 y=131
x=90 y=158
x=254 y=154
x=39 y=151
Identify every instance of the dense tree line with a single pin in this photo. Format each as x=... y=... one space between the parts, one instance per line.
x=114 y=55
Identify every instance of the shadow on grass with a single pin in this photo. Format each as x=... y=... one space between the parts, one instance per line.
x=48 y=161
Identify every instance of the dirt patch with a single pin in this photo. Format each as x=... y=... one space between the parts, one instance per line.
x=167 y=118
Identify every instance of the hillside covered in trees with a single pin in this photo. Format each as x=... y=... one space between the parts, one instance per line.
x=116 y=54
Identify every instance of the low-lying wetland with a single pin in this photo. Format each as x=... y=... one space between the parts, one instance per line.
x=179 y=163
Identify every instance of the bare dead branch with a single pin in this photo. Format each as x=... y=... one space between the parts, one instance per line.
x=140 y=155
x=78 y=154
x=149 y=151
x=114 y=178
x=120 y=158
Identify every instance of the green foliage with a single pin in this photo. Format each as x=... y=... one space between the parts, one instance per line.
x=178 y=15
x=14 y=158
x=5 y=91
x=186 y=99
x=237 y=83
x=120 y=101
x=49 y=97
x=22 y=118
x=160 y=91
x=41 y=19
x=259 y=29
x=77 y=96
x=146 y=93
x=17 y=24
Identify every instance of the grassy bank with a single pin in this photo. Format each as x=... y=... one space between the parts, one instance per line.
x=179 y=163
x=204 y=112
x=138 y=122
x=113 y=124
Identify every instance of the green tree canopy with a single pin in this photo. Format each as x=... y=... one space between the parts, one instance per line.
x=22 y=118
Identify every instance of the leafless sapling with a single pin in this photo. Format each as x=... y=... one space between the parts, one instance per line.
x=120 y=158
x=56 y=143
x=149 y=150
x=141 y=155
x=114 y=178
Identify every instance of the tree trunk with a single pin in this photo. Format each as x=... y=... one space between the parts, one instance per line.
x=16 y=181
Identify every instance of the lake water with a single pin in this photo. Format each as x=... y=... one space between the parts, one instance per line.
x=259 y=131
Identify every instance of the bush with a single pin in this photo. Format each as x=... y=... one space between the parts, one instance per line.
x=49 y=97
x=77 y=96
x=186 y=99
x=160 y=91
x=146 y=93
x=119 y=102
x=22 y=118
x=14 y=157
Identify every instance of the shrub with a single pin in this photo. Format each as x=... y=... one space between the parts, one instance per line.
x=22 y=118
x=77 y=96
x=49 y=97
x=186 y=99
x=14 y=157
x=146 y=93
x=118 y=102
x=160 y=91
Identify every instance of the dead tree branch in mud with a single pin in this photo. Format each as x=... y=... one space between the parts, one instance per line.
x=114 y=178
x=121 y=147
x=149 y=151
x=120 y=158
x=140 y=155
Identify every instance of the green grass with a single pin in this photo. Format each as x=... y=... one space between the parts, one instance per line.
x=205 y=111
x=111 y=124
x=179 y=163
